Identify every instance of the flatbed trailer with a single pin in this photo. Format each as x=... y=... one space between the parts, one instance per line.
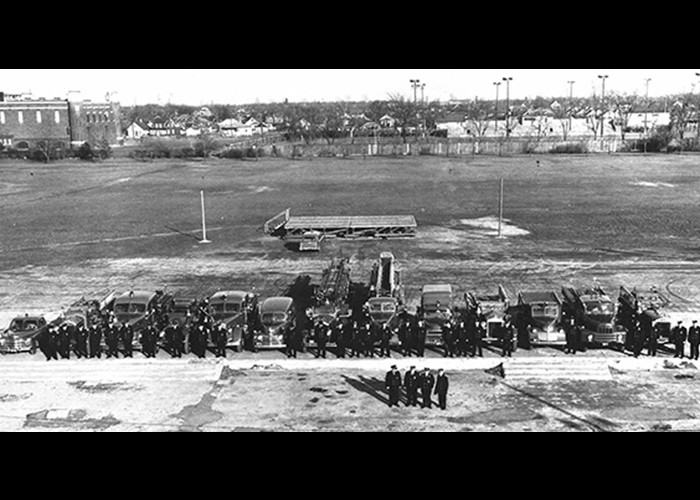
x=293 y=228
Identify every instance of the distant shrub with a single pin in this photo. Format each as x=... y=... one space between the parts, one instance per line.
x=85 y=152
x=232 y=154
x=569 y=148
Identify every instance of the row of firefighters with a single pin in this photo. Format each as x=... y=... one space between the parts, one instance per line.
x=461 y=336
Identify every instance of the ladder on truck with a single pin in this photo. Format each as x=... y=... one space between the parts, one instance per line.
x=335 y=282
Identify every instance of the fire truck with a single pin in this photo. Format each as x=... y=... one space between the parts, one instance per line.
x=386 y=292
x=594 y=312
x=491 y=309
x=538 y=317
x=647 y=305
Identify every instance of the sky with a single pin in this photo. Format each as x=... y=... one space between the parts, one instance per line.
x=244 y=86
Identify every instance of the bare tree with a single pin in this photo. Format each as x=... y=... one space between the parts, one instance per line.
x=623 y=105
x=405 y=112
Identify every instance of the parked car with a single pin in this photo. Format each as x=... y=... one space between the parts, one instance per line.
x=22 y=334
x=278 y=316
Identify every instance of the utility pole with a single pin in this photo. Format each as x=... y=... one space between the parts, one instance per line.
x=498 y=86
x=697 y=111
x=571 y=99
x=646 y=113
x=507 y=80
x=204 y=221
x=500 y=212
x=602 y=107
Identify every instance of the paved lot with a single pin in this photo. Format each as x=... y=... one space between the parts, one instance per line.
x=590 y=393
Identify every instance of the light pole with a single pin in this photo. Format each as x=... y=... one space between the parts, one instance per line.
x=602 y=107
x=646 y=114
x=507 y=80
x=697 y=112
x=415 y=84
x=571 y=98
x=498 y=86
x=422 y=93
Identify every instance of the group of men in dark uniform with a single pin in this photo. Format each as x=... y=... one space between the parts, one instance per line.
x=465 y=337
x=413 y=383
x=86 y=342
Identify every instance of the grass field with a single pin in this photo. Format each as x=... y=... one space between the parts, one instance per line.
x=74 y=228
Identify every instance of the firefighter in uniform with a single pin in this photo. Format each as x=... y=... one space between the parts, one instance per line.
x=477 y=348
x=65 y=342
x=410 y=383
x=442 y=385
x=638 y=339
x=44 y=341
x=507 y=340
x=447 y=335
x=680 y=335
x=321 y=337
x=368 y=339
x=128 y=339
x=178 y=341
x=148 y=341
x=393 y=385
x=694 y=340
x=422 y=333
x=353 y=335
x=340 y=339
x=289 y=343
x=427 y=382
x=653 y=341
x=569 y=325
x=221 y=341
x=54 y=343
x=404 y=344
x=112 y=341
x=95 y=341
x=386 y=334
x=462 y=339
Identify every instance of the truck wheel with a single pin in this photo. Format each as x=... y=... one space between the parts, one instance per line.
x=32 y=349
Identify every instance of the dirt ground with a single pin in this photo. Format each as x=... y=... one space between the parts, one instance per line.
x=211 y=396
x=70 y=229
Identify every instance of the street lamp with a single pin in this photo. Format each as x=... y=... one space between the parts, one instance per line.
x=602 y=107
x=498 y=86
x=415 y=84
x=507 y=80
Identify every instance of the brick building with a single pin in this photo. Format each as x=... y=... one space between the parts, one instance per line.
x=26 y=122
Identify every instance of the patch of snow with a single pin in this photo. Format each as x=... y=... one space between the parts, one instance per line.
x=652 y=184
x=489 y=226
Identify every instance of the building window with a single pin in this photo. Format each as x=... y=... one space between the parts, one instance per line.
x=57 y=116
x=20 y=117
x=38 y=116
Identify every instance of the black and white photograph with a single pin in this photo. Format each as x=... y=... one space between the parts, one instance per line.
x=349 y=250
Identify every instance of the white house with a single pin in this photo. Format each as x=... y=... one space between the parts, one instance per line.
x=136 y=130
x=387 y=121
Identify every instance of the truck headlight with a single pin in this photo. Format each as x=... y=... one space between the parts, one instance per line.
x=590 y=338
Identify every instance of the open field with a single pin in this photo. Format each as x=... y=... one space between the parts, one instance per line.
x=69 y=229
